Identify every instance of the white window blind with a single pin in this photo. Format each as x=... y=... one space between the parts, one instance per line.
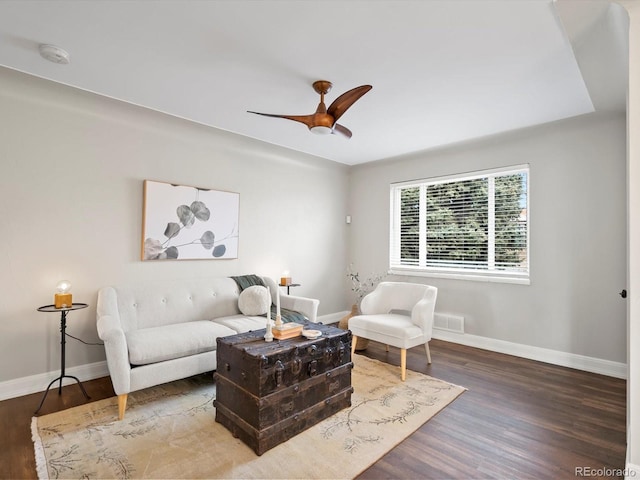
x=472 y=224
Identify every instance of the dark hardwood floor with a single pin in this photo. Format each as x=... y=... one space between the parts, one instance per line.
x=519 y=419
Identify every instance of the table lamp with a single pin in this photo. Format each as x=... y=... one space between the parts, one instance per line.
x=62 y=298
x=285 y=279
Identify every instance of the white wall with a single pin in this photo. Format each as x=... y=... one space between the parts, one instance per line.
x=71 y=181
x=578 y=229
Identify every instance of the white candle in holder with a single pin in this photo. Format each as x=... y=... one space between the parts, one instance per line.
x=278 y=317
x=269 y=307
x=268 y=336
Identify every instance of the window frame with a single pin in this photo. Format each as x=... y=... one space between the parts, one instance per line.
x=482 y=275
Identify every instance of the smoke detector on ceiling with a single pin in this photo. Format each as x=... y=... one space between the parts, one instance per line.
x=54 y=54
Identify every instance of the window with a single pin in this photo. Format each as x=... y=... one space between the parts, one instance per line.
x=472 y=226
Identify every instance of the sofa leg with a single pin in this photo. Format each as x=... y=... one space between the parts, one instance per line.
x=403 y=363
x=426 y=346
x=122 y=405
x=354 y=340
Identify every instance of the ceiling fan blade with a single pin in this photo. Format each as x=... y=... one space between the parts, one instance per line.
x=340 y=130
x=305 y=119
x=344 y=101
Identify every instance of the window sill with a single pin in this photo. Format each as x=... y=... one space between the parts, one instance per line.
x=473 y=277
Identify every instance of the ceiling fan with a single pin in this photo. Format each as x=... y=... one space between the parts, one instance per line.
x=324 y=120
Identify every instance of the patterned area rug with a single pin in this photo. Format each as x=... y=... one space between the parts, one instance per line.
x=169 y=431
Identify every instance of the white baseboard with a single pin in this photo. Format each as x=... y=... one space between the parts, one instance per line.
x=332 y=317
x=37 y=383
x=555 y=357
x=632 y=472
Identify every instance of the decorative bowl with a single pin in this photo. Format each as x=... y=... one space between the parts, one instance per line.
x=311 y=334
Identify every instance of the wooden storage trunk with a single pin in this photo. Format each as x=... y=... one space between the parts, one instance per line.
x=267 y=392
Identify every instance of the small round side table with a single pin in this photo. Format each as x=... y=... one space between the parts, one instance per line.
x=63 y=327
x=289 y=286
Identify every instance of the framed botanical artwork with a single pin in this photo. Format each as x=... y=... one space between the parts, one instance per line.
x=185 y=223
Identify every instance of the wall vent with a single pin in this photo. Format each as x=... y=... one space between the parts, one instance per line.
x=448 y=322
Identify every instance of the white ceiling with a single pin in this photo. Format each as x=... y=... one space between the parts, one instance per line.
x=442 y=71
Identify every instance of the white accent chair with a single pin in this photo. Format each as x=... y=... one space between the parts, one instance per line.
x=398 y=314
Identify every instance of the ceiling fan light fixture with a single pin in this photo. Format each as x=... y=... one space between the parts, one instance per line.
x=321 y=130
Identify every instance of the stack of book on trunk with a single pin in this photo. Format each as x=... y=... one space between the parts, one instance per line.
x=287 y=330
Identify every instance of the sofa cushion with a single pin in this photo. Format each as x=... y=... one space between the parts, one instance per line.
x=157 y=344
x=254 y=300
x=241 y=323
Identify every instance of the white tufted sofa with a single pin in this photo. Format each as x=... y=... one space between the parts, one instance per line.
x=160 y=332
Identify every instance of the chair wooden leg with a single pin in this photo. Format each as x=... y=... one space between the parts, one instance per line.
x=426 y=346
x=387 y=348
x=403 y=363
x=354 y=340
x=122 y=405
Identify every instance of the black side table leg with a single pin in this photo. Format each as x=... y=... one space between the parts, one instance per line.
x=46 y=393
x=63 y=341
x=84 y=392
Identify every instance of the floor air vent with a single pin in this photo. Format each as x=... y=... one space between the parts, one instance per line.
x=448 y=322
